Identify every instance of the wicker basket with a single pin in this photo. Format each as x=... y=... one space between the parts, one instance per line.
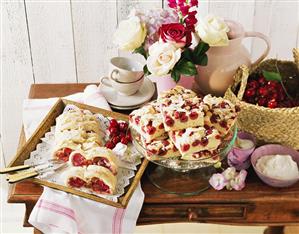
x=279 y=125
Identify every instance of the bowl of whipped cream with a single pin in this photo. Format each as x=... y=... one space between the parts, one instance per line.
x=276 y=165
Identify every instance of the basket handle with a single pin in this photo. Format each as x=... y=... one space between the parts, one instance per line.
x=241 y=76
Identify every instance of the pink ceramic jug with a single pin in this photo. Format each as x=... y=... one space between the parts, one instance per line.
x=223 y=61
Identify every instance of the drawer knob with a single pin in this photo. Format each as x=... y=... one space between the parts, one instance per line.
x=192 y=214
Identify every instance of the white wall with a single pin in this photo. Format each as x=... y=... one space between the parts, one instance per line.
x=70 y=41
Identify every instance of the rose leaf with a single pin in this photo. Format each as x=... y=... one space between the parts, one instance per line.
x=201 y=60
x=140 y=50
x=201 y=48
x=175 y=75
x=272 y=76
x=146 y=71
x=186 y=67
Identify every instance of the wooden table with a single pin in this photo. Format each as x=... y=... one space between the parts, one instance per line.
x=257 y=204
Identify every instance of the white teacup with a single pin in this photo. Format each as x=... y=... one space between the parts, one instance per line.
x=125 y=89
x=125 y=70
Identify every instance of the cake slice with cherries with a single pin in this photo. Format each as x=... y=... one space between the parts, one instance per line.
x=182 y=113
x=220 y=113
x=160 y=149
x=191 y=140
x=177 y=91
x=148 y=122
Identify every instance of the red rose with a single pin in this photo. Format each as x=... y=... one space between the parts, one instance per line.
x=176 y=34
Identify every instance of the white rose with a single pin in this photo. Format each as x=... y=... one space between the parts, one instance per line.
x=130 y=34
x=162 y=58
x=213 y=30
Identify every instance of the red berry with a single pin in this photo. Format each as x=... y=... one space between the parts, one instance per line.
x=193 y=115
x=112 y=131
x=196 y=143
x=161 y=126
x=129 y=136
x=165 y=142
x=124 y=140
x=122 y=134
x=115 y=140
x=263 y=91
x=262 y=80
x=177 y=115
x=272 y=84
x=109 y=145
x=253 y=84
x=249 y=93
x=272 y=103
x=169 y=121
x=184 y=118
x=113 y=123
x=151 y=130
x=185 y=147
x=204 y=141
x=123 y=126
x=262 y=102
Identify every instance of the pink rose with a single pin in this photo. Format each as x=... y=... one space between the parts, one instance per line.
x=175 y=34
x=217 y=181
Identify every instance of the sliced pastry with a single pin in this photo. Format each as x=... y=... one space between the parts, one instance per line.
x=160 y=149
x=220 y=113
x=74 y=177
x=100 y=179
x=192 y=140
x=147 y=122
x=62 y=151
x=177 y=91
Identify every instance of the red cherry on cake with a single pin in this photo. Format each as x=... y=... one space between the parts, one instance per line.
x=196 y=143
x=185 y=147
x=137 y=120
x=169 y=121
x=204 y=141
x=113 y=123
x=177 y=115
x=184 y=118
x=151 y=130
x=193 y=115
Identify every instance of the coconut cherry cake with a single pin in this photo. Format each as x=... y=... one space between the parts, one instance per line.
x=192 y=140
x=220 y=113
x=147 y=122
x=176 y=92
x=160 y=149
x=182 y=113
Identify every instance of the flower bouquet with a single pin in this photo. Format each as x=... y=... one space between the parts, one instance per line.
x=170 y=41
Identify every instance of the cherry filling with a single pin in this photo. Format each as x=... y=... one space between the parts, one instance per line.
x=183 y=117
x=76 y=182
x=204 y=141
x=193 y=115
x=223 y=124
x=185 y=147
x=151 y=130
x=64 y=154
x=98 y=185
x=101 y=161
x=78 y=160
x=169 y=121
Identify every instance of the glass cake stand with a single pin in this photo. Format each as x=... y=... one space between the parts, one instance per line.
x=184 y=177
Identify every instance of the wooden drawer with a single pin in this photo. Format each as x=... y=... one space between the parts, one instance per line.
x=192 y=212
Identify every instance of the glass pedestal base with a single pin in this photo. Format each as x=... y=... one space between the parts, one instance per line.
x=181 y=183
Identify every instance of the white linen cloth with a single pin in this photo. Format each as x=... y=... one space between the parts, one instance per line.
x=60 y=212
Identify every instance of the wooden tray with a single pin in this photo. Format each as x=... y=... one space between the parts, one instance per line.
x=49 y=120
